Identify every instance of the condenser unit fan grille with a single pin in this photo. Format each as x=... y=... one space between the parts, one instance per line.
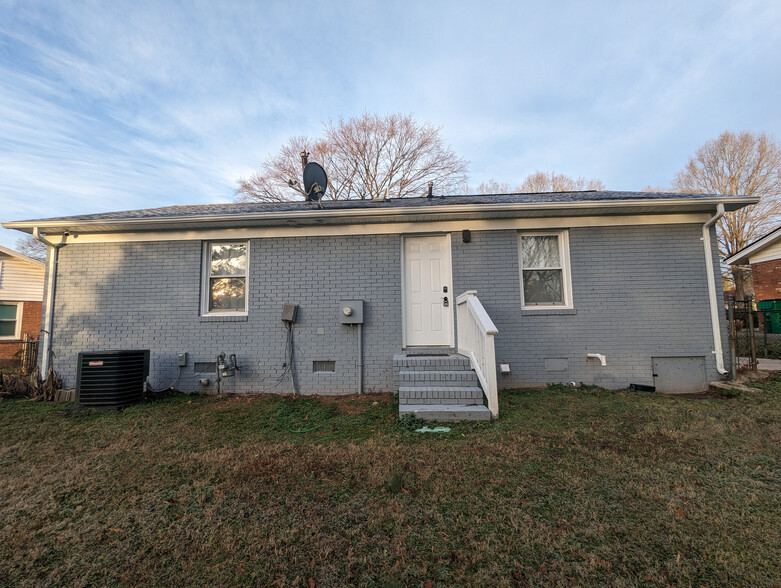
x=111 y=379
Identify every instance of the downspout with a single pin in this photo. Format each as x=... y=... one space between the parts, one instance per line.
x=52 y=285
x=711 y=277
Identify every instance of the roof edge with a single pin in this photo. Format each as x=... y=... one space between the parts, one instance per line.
x=741 y=257
x=22 y=257
x=183 y=221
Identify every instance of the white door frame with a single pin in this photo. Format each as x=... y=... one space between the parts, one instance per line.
x=450 y=293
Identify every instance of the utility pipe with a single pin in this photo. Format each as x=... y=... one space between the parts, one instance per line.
x=360 y=358
x=714 y=309
x=602 y=358
x=53 y=258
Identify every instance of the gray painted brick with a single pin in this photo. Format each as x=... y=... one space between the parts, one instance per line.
x=639 y=292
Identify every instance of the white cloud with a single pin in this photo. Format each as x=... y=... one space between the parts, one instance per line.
x=133 y=104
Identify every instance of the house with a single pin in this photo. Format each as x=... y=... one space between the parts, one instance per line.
x=444 y=299
x=21 y=293
x=764 y=257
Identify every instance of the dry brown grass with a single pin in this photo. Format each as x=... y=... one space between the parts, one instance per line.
x=569 y=488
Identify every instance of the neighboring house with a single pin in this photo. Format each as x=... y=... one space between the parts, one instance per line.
x=764 y=257
x=607 y=288
x=21 y=293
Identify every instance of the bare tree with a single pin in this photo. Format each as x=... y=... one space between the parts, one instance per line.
x=553 y=182
x=658 y=189
x=739 y=164
x=541 y=182
x=31 y=247
x=494 y=187
x=366 y=157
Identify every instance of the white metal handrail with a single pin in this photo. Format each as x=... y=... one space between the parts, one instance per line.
x=476 y=333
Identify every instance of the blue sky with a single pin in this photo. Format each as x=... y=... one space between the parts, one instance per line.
x=119 y=105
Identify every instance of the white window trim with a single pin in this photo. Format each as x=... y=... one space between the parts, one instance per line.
x=206 y=274
x=18 y=332
x=566 y=274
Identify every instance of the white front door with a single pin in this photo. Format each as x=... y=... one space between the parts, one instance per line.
x=428 y=291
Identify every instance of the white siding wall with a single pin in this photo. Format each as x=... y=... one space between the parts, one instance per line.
x=767 y=254
x=20 y=280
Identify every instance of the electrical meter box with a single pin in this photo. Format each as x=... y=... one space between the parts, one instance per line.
x=351 y=312
x=289 y=313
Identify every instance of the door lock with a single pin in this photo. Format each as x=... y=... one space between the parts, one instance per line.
x=444 y=289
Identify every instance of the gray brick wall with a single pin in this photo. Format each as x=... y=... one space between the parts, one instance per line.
x=638 y=292
x=146 y=295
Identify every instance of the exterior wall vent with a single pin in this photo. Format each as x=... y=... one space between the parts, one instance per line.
x=323 y=366
x=204 y=367
x=111 y=379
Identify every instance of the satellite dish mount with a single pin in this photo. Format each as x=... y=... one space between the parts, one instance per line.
x=315 y=179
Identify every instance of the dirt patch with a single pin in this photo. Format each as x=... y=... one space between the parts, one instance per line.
x=355 y=403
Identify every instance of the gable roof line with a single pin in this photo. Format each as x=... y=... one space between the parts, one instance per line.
x=175 y=221
x=740 y=257
x=22 y=257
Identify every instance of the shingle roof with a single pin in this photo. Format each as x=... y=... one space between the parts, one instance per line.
x=254 y=208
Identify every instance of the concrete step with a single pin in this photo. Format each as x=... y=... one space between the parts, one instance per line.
x=440 y=395
x=423 y=362
x=437 y=378
x=446 y=412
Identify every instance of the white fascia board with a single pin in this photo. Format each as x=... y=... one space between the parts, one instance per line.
x=742 y=256
x=549 y=223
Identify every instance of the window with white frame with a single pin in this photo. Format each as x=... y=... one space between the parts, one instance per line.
x=545 y=271
x=225 y=275
x=10 y=320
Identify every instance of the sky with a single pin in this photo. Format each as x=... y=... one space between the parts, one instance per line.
x=123 y=105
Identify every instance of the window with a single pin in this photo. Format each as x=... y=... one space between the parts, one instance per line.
x=10 y=320
x=225 y=278
x=545 y=272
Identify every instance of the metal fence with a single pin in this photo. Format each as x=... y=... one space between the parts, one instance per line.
x=752 y=332
x=20 y=354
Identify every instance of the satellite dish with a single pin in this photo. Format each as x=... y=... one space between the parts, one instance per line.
x=315 y=181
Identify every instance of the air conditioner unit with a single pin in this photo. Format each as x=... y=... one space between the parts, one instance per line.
x=111 y=379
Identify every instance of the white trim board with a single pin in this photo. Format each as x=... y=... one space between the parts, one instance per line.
x=394 y=228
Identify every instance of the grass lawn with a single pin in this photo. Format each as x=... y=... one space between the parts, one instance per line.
x=571 y=487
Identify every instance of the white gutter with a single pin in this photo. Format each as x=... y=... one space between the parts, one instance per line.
x=711 y=277
x=46 y=348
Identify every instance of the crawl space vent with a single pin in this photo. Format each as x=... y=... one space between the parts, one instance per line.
x=323 y=366
x=201 y=367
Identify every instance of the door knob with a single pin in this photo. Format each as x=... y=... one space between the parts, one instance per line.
x=446 y=301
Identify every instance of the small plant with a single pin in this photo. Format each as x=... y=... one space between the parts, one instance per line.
x=396 y=484
x=409 y=422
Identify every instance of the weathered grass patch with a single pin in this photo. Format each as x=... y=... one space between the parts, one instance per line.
x=571 y=487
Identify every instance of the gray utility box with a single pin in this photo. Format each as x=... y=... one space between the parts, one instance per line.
x=351 y=312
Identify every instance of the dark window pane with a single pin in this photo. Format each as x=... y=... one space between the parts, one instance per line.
x=8 y=312
x=7 y=328
x=227 y=294
x=542 y=287
x=229 y=259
